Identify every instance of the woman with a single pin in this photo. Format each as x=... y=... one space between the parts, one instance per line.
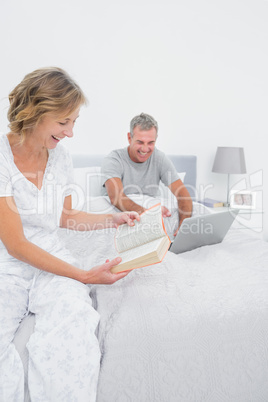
x=37 y=273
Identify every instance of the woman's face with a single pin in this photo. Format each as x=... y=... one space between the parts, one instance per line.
x=52 y=129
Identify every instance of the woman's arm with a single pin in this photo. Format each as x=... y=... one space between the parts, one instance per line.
x=12 y=236
x=79 y=220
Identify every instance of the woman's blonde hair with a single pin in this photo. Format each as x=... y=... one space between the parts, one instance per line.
x=46 y=90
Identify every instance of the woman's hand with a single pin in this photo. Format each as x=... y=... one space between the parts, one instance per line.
x=125 y=217
x=165 y=212
x=101 y=274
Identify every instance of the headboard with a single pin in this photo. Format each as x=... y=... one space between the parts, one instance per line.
x=182 y=163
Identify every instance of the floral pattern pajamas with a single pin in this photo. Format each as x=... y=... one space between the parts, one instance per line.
x=64 y=354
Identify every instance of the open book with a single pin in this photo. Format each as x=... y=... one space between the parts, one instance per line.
x=144 y=244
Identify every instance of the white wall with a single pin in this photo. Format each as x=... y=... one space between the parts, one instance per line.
x=198 y=66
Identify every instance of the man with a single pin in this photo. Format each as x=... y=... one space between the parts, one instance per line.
x=139 y=168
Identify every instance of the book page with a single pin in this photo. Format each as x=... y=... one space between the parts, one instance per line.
x=150 y=227
x=140 y=251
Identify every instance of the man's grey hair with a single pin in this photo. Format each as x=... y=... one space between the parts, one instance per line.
x=144 y=121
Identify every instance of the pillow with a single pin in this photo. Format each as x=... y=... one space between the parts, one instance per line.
x=87 y=183
x=182 y=176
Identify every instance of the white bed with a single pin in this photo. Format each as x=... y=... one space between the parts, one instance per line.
x=192 y=328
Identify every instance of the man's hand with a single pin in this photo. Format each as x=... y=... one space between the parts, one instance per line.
x=180 y=222
x=175 y=234
x=125 y=217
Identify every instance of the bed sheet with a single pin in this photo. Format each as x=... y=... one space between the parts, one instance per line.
x=192 y=328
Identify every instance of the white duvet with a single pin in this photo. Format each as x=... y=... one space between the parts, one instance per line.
x=192 y=328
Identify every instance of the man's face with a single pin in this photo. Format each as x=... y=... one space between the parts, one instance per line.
x=141 y=145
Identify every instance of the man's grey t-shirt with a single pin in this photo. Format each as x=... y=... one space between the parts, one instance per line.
x=139 y=178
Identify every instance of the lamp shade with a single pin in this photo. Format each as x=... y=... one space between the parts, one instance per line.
x=229 y=160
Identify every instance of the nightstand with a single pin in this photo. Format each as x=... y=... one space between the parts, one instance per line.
x=247 y=219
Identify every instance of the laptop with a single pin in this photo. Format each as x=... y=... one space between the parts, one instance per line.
x=203 y=230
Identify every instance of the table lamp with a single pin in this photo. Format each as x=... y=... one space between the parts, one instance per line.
x=229 y=160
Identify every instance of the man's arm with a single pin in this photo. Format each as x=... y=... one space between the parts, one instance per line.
x=119 y=199
x=185 y=204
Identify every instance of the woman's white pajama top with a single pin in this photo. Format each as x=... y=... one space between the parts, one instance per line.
x=63 y=351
